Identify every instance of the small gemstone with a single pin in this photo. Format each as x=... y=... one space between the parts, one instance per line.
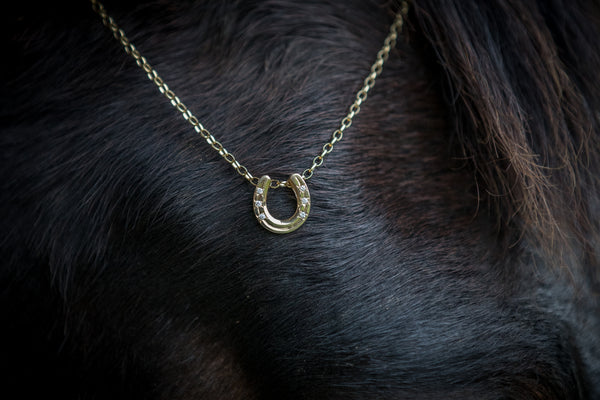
x=304 y=200
x=302 y=188
x=302 y=214
x=262 y=216
x=258 y=203
x=259 y=190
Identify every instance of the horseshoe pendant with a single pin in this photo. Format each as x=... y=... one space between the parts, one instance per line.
x=273 y=224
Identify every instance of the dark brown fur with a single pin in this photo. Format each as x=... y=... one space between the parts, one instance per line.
x=452 y=246
x=523 y=86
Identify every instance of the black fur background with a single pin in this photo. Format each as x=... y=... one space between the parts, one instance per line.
x=452 y=246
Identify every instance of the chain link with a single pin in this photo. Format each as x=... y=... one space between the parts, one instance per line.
x=388 y=44
x=368 y=83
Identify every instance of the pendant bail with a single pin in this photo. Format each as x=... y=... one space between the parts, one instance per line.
x=264 y=217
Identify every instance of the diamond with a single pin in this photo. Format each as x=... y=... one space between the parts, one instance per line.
x=304 y=200
x=258 y=203
x=262 y=216
x=302 y=188
x=259 y=190
x=302 y=214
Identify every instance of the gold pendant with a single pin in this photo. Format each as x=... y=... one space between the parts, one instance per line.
x=273 y=224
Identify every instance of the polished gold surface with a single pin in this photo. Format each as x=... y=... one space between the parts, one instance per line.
x=268 y=221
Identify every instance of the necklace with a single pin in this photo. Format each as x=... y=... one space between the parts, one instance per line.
x=297 y=182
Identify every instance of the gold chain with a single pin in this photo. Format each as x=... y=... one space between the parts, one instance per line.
x=361 y=96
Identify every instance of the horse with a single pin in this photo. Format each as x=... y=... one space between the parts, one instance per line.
x=452 y=246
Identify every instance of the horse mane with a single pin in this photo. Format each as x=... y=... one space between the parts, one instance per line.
x=129 y=269
x=524 y=89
